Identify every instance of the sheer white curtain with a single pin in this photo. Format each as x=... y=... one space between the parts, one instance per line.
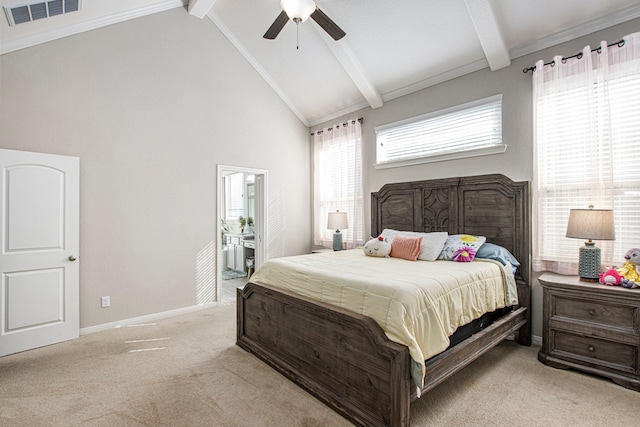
x=586 y=150
x=338 y=182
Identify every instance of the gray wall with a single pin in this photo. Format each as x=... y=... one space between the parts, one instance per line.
x=151 y=107
x=517 y=125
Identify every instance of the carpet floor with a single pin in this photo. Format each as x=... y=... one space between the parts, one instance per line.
x=187 y=371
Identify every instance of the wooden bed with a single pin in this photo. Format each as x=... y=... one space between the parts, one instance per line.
x=345 y=359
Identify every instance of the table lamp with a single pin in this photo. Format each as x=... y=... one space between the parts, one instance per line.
x=337 y=221
x=591 y=224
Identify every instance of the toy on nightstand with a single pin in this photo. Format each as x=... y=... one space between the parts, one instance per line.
x=630 y=271
x=611 y=277
x=377 y=247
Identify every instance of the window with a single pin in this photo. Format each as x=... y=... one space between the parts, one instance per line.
x=234 y=195
x=587 y=151
x=338 y=182
x=472 y=129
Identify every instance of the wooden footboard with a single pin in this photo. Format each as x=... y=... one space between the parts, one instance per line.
x=345 y=359
x=342 y=358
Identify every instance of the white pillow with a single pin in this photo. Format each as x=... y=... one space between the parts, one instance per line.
x=432 y=243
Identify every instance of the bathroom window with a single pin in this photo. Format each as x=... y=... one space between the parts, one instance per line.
x=234 y=195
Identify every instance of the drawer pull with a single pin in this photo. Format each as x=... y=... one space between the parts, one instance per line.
x=591 y=348
x=592 y=311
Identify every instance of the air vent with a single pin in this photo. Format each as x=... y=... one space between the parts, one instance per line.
x=26 y=12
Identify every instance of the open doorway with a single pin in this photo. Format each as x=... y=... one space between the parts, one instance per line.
x=241 y=227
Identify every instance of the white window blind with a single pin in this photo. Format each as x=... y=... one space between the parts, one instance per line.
x=587 y=151
x=467 y=130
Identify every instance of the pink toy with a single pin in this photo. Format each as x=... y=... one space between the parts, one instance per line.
x=611 y=277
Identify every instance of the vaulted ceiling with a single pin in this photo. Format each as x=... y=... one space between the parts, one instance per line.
x=391 y=48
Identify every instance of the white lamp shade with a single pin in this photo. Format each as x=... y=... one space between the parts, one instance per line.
x=337 y=221
x=301 y=9
x=592 y=224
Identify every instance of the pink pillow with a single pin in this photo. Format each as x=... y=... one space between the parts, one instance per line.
x=406 y=247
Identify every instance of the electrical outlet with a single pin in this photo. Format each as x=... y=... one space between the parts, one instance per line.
x=106 y=301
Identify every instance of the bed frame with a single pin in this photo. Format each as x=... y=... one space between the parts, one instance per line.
x=343 y=358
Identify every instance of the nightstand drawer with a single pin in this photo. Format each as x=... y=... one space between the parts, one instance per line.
x=615 y=354
x=620 y=316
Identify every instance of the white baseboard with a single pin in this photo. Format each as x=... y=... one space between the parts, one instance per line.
x=536 y=340
x=145 y=319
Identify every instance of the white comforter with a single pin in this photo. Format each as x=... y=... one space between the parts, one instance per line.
x=417 y=303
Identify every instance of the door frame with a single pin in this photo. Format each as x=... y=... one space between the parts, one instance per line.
x=260 y=222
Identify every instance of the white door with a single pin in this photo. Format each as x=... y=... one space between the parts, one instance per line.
x=39 y=291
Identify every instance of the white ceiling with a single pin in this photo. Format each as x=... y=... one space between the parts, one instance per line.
x=392 y=47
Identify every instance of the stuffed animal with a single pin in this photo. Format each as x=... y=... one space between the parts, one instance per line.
x=611 y=277
x=630 y=271
x=377 y=247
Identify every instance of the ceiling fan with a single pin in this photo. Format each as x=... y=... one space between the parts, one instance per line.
x=299 y=11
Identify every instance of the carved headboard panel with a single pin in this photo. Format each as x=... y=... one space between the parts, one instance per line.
x=487 y=205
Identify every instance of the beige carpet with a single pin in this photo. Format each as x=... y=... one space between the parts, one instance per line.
x=186 y=371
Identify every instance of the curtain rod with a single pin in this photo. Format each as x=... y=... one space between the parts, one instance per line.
x=343 y=124
x=577 y=55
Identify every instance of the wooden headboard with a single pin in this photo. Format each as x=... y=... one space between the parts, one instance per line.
x=493 y=206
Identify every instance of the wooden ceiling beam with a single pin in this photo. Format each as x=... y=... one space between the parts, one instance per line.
x=199 y=8
x=353 y=68
x=488 y=31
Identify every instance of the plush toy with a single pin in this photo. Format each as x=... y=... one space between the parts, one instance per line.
x=377 y=247
x=611 y=277
x=630 y=271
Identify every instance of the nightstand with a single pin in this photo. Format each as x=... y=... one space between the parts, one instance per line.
x=591 y=327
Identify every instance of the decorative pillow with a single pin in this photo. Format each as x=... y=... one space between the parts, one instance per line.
x=464 y=254
x=377 y=247
x=498 y=253
x=406 y=247
x=432 y=243
x=461 y=247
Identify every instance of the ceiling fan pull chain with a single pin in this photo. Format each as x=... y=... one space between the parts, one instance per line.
x=297 y=21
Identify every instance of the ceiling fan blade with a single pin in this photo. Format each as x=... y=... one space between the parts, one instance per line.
x=327 y=24
x=277 y=26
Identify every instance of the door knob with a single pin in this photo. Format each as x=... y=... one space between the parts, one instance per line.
x=72 y=258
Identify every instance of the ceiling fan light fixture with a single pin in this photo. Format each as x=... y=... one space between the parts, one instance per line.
x=298 y=9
